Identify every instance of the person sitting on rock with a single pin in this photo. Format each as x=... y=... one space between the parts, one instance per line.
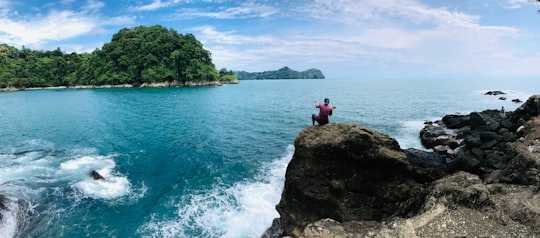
x=324 y=112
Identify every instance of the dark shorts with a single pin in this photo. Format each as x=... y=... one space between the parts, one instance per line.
x=315 y=118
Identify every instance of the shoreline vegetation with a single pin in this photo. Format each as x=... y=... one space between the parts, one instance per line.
x=150 y=85
x=144 y=56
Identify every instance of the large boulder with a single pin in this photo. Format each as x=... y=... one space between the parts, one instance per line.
x=528 y=110
x=345 y=173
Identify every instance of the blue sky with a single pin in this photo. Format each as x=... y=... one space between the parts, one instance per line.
x=346 y=39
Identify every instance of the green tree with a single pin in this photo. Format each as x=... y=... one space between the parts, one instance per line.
x=133 y=56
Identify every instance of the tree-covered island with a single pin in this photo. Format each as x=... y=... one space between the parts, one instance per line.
x=283 y=73
x=134 y=57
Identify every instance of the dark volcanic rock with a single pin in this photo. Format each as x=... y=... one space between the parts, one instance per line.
x=524 y=165
x=494 y=93
x=426 y=159
x=530 y=109
x=456 y=121
x=351 y=181
x=346 y=172
x=274 y=231
x=96 y=176
x=483 y=139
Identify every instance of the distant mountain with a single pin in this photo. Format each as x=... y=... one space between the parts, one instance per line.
x=283 y=73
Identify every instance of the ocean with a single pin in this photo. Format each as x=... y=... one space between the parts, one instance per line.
x=192 y=162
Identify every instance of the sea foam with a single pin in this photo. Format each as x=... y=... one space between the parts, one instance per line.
x=245 y=209
x=114 y=185
x=9 y=215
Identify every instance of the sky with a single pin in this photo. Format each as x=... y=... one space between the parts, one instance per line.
x=345 y=39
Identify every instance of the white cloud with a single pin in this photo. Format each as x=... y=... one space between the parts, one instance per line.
x=244 y=10
x=4 y=7
x=513 y=4
x=94 y=5
x=375 y=33
x=242 y=52
x=156 y=4
x=35 y=31
x=334 y=35
x=57 y=25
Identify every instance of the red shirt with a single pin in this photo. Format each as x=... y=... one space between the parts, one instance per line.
x=325 y=111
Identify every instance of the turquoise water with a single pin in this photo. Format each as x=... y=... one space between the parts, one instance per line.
x=191 y=162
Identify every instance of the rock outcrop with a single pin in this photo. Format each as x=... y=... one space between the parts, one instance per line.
x=346 y=173
x=459 y=205
x=96 y=175
x=491 y=143
x=351 y=181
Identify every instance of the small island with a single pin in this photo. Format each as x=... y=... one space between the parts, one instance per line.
x=144 y=56
x=283 y=73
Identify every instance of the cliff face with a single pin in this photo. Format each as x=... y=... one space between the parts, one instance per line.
x=351 y=181
x=347 y=172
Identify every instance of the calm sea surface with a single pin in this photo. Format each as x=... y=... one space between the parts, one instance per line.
x=191 y=162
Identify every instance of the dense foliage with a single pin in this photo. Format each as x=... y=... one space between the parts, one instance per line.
x=134 y=56
x=283 y=73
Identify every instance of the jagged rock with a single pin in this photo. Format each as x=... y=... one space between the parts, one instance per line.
x=494 y=93
x=456 y=121
x=426 y=159
x=477 y=120
x=464 y=163
x=486 y=136
x=274 y=231
x=328 y=228
x=473 y=141
x=346 y=172
x=459 y=205
x=350 y=181
x=96 y=176
x=430 y=133
x=529 y=109
x=461 y=188
x=442 y=149
x=524 y=165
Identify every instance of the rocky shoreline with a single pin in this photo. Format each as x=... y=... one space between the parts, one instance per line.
x=144 y=85
x=481 y=180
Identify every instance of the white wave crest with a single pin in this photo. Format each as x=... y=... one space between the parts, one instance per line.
x=243 y=210
x=9 y=215
x=113 y=186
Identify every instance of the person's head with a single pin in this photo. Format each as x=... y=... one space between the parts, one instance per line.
x=326 y=101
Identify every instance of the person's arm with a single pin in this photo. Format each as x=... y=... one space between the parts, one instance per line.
x=316 y=104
